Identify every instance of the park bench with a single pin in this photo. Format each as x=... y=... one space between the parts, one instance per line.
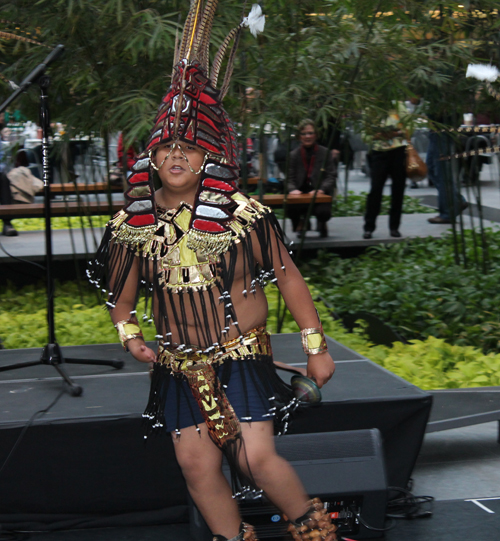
x=251 y=181
x=94 y=208
x=84 y=188
x=278 y=199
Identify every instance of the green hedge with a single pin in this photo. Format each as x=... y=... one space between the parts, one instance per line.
x=430 y=364
x=66 y=222
x=79 y=319
x=416 y=287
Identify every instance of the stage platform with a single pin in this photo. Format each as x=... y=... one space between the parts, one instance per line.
x=455 y=408
x=343 y=233
x=451 y=520
x=84 y=462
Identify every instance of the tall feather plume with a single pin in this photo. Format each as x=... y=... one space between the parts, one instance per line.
x=188 y=40
x=194 y=29
x=176 y=52
x=203 y=34
x=188 y=29
x=255 y=21
x=492 y=91
x=9 y=35
x=487 y=73
x=230 y=65
x=219 y=57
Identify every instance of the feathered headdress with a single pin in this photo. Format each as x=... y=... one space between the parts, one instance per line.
x=192 y=112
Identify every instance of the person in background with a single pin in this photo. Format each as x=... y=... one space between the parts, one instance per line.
x=386 y=158
x=5 y=194
x=439 y=145
x=312 y=169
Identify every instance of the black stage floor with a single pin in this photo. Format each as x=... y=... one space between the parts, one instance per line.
x=455 y=408
x=451 y=520
x=84 y=464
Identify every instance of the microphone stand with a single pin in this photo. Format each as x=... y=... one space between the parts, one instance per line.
x=51 y=353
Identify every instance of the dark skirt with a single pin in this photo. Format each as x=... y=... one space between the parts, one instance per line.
x=252 y=386
x=244 y=391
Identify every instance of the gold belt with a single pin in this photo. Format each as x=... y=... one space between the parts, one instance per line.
x=252 y=343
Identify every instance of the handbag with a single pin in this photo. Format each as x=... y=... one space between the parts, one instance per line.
x=416 y=170
x=23 y=185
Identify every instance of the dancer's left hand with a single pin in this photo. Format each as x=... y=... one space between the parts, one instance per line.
x=320 y=367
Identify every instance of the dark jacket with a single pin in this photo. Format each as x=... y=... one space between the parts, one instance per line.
x=296 y=172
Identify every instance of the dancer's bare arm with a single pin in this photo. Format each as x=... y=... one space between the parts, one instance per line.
x=299 y=301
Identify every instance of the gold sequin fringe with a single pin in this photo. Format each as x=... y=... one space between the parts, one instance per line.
x=209 y=243
x=126 y=234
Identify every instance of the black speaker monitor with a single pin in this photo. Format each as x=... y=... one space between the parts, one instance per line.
x=345 y=469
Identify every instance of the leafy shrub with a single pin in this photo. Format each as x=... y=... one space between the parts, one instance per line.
x=23 y=317
x=435 y=364
x=416 y=287
x=62 y=222
x=429 y=364
x=355 y=205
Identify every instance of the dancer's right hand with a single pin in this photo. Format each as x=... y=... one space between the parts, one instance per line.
x=140 y=351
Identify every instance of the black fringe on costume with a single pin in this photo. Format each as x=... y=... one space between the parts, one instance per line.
x=116 y=256
x=124 y=252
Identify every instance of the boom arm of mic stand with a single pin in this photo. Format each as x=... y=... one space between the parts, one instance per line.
x=33 y=76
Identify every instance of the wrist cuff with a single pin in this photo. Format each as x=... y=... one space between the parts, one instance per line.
x=128 y=330
x=313 y=340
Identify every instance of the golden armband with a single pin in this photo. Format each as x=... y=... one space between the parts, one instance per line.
x=313 y=341
x=128 y=331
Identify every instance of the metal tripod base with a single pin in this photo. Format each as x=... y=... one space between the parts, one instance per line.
x=52 y=355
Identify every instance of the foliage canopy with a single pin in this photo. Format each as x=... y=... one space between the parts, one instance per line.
x=327 y=59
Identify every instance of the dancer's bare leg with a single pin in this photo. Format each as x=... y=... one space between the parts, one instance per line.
x=200 y=461
x=272 y=473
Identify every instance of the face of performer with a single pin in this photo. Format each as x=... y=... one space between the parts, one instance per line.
x=179 y=167
x=308 y=136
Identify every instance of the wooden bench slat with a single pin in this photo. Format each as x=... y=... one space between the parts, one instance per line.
x=75 y=208
x=276 y=199
x=251 y=181
x=80 y=187
x=70 y=208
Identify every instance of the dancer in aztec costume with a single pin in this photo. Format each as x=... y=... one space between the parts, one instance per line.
x=200 y=251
